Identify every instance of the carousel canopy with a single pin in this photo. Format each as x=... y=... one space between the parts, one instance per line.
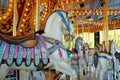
x=24 y=17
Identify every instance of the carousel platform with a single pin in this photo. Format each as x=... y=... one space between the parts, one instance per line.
x=53 y=75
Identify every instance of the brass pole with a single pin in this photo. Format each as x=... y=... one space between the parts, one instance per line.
x=105 y=21
x=88 y=33
x=114 y=24
x=77 y=25
x=82 y=27
x=114 y=32
x=14 y=18
x=71 y=43
x=37 y=16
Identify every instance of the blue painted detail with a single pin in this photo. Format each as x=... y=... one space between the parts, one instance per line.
x=19 y=55
x=102 y=57
x=10 y=55
x=64 y=20
x=43 y=51
x=36 y=56
x=52 y=49
x=44 y=57
x=28 y=57
x=2 y=50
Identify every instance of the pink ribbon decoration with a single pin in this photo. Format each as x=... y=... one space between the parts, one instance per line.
x=6 y=51
x=16 y=51
x=60 y=53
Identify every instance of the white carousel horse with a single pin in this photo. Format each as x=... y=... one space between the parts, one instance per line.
x=80 y=64
x=55 y=45
x=89 y=56
x=53 y=37
x=105 y=61
x=56 y=24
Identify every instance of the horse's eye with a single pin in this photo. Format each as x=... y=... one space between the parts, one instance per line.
x=72 y=22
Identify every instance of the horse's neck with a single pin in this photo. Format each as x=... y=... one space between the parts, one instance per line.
x=87 y=53
x=80 y=53
x=53 y=27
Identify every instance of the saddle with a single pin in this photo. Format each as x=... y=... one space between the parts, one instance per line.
x=26 y=41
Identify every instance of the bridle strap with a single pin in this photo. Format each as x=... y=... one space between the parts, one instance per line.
x=56 y=44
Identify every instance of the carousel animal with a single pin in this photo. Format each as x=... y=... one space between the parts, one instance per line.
x=68 y=37
x=56 y=24
x=89 y=57
x=79 y=64
x=105 y=61
x=58 y=54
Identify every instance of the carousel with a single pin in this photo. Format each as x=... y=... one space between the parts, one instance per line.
x=59 y=39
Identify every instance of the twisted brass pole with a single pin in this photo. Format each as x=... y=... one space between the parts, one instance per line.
x=14 y=18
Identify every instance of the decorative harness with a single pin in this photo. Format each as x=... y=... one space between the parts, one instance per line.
x=102 y=57
x=56 y=44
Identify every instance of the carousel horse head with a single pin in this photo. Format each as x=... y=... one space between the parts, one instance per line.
x=59 y=22
x=99 y=47
x=86 y=46
x=69 y=33
x=78 y=43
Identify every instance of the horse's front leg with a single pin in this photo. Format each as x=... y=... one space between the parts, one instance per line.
x=66 y=69
x=97 y=69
